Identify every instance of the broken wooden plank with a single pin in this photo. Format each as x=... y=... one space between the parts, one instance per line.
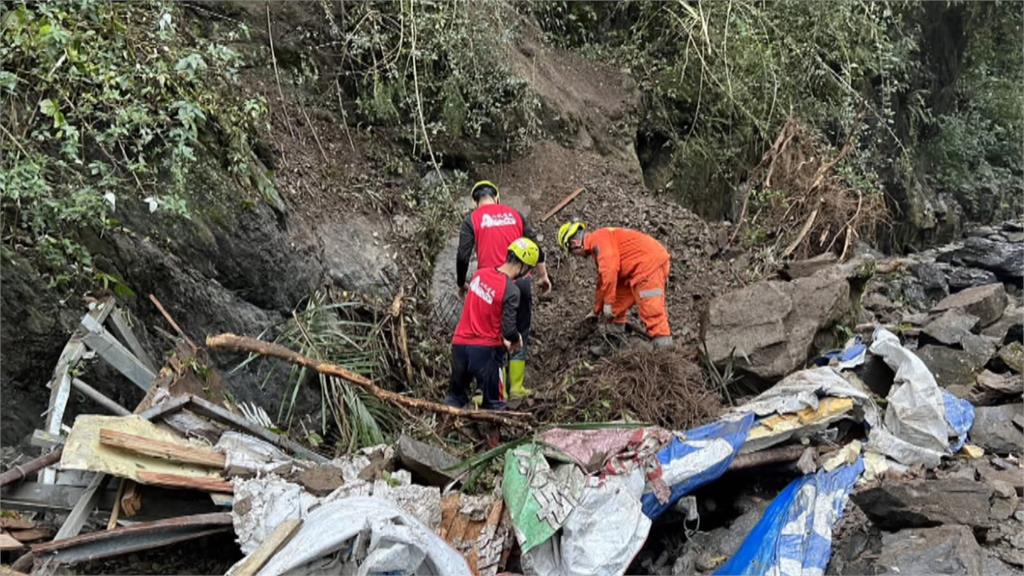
x=99 y=398
x=85 y=505
x=164 y=408
x=266 y=550
x=163 y=450
x=565 y=202
x=20 y=471
x=192 y=483
x=11 y=523
x=211 y=410
x=122 y=329
x=32 y=534
x=170 y=320
x=114 y=353
x=60 y=382
x=8 y=542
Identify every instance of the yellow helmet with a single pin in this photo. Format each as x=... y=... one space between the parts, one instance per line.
x=526 y=251
x=567 y=231
x=484 y=187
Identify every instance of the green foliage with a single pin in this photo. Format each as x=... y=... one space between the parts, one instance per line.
x=461 y=62
x=101 y=98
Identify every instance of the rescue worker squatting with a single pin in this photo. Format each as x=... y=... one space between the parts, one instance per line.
x=488 y=328
x=491 y=228
x=632 y=269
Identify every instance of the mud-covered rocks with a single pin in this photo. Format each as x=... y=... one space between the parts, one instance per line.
x=920 y=503
x=998 y=429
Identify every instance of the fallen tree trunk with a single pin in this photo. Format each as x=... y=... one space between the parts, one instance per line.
x=252 y=345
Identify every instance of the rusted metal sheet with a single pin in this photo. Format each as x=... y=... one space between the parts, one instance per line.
x=144 y=536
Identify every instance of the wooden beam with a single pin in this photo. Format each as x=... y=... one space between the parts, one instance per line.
x=175 y=481
x=114 y=353
x=565 y=202
x=99 y=398
x=162 y=450
x=196 y=520
x=245 y=344
x=211 y=410
x=266 y=550
x=123 y=330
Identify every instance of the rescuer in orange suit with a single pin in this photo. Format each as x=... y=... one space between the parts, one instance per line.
x=632 y=268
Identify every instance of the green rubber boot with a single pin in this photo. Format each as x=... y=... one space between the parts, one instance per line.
x=516 y=378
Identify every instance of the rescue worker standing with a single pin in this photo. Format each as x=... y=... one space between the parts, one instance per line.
x=632 y=268
x=491 y=227
x=488 y=327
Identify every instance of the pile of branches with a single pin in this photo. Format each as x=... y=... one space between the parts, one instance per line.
x=798 y=204
x=638 y=385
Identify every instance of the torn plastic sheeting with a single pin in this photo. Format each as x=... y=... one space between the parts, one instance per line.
x=801 y=390
x=959 y=416
x=779 y=428
x=794 y=537
x=917 y=414
x=601 y=535
x=591 y=448
x=369 y=536
x=703 y=454
x=248 y=455
x=538 y=498
x=851 y=356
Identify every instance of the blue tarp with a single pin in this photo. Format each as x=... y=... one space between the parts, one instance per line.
x=702 y=456
x=960 y=416
x=794 y=536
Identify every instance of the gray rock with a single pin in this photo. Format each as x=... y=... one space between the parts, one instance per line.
x=357 y=255
x=771 y=325
x=1006 y=259
x=960 y=278
x=1009 y=325
x=810 y=266
x=918 y=503
x=1013 y=356
x=426 y=461
x=1007 y=384
x=995 y=431
x=993 y=566
x=986 y=302
x=951 y=327
x=992 y=475
x=982 y=231
x=950 y=366
x=941 y=550
x=932 y=278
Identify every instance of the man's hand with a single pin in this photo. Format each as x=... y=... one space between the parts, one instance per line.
x=462 y=291
x=543 y=285
x=513 y=347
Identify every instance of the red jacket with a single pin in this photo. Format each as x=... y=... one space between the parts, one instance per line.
x=489 y=312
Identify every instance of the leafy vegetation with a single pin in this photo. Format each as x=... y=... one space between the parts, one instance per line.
x=105 y=99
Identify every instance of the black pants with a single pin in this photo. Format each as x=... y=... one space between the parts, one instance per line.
x=485 y=365
x=524 y=316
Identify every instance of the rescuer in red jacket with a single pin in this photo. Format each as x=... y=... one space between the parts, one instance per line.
x=632 y=268
x=488 y=327
x=490 y=228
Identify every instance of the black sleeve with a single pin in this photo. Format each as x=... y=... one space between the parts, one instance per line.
x=466 y=244
x=530 y=233
x=510 y=312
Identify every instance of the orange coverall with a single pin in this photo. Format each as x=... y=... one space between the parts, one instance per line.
x=632 y=268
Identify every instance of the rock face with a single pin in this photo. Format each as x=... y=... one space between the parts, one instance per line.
x=941 y=550
x=1005 y=259
x=771 y=325
x=896 y=505
x=960 y=278
x=986 y=302
x=995 y=430
x=950 y=366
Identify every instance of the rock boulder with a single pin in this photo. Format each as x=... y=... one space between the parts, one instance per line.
x=771 y=325
x=1005 y=259
x=986 y=302
x=940 y=550
x=913 y=504
x=994 y=429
